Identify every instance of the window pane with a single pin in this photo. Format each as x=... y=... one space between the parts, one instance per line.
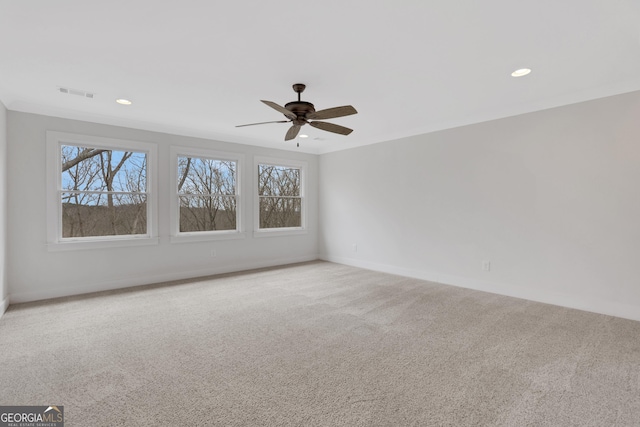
x=207 y=213
x=95 y=169
x=101 y=214
x=278 y=181
x=206 y=176
x=278 y=212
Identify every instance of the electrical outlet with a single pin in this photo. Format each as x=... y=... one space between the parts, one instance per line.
x=355 y=248
x=486 y=265
x=213 y=253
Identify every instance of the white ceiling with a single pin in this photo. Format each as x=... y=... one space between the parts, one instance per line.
x=199 y=67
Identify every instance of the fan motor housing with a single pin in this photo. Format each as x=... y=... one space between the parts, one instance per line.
x=300 y=109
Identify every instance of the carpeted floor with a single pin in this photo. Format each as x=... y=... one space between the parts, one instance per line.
x=318 y=344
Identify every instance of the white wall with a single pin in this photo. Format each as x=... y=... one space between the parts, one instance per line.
x=36 y=273
x=551 y=199
x=4 y=287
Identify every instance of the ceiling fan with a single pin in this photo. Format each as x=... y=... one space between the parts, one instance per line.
x=301 y=113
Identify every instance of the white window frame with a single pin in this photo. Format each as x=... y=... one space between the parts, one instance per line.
x=55 y=241
x=178 y=236
x=282 y=231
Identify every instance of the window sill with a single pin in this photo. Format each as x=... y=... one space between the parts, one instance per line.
x=76 y=245
x=277 y=232
x=207 y=236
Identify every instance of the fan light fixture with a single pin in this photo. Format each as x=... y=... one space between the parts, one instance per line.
x=123 y=101
x=303 y=136
x=521 y=72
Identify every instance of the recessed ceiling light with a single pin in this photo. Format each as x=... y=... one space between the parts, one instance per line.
x=521 y=72
x=303 y=136
x=123 y=101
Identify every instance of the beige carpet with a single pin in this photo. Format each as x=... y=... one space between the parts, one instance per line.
x=319 y=344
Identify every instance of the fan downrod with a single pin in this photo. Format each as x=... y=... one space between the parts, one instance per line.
x=299 y=88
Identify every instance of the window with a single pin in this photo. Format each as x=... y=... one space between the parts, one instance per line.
x=206 y=198
x=99 y=191
x=280 y=196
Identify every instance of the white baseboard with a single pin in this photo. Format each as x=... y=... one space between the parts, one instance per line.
x=578 y=302
x=4 y=305
x=148 y=279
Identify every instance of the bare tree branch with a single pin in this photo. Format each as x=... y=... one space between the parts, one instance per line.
x=83 y=155
x=184 y=175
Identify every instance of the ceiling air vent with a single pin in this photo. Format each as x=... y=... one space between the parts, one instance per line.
x=76 y=92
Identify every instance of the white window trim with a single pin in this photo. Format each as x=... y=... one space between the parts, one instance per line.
x=284 y=231
x=55 y=241
x=174 y=216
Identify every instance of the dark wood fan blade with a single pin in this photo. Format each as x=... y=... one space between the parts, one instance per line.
x=292 y=132
x=330 y=127
x=279 y=108
x=332 y=113
x=264 y=123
